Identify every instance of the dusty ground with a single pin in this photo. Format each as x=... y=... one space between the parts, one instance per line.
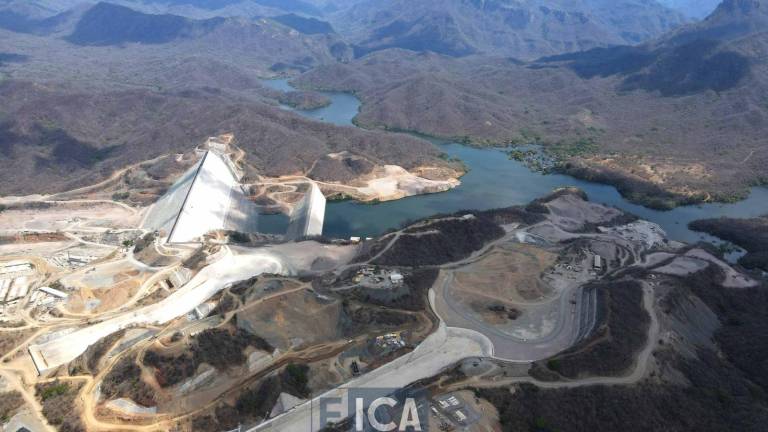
x=392 y=182
x=385 y=183
x=69 y=216
x=510 y=272
x=283 y=321
x=104 y=287
x=32 y=248
x=697 y=259
x=571 y=213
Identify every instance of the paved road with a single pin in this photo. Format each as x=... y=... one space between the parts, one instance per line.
x=439 y=351
x=229 y=269
x=638 y=372
x=508 y=346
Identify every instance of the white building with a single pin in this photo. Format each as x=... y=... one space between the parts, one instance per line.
x=54 y=292
x=396 y=278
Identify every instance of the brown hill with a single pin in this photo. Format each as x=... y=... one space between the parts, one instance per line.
x=199 y=53
x=54 y=138
x=678 y=120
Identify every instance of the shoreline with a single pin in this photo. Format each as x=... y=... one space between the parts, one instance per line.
x=632 y=189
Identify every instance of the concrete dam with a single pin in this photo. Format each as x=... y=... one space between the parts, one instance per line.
x=210 y=197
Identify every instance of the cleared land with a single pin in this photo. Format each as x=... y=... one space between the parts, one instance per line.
x=104 y=287
x=234 y=265
x=509 y=272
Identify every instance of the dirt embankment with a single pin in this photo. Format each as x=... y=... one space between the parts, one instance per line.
x=346 y=175
x=611 y=349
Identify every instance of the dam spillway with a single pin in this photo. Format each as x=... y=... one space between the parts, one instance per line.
x=308 y=216
x=210 y=197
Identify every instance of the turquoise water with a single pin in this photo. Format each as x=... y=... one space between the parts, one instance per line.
x=495 y=181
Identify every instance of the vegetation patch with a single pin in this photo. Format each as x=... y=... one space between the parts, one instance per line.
x=59 y=408
x=630 y=187
x=224 y=418
x=411 y=295
x=565 y=149
x=220 y=348
x=11 y=339
x=355 y=318
x=257 y=402
x=441 y=242
x=124 y=381
x=9 y=403
x=88 y=361
x=743 y=314
x=302 y=100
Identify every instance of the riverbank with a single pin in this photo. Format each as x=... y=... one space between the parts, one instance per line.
x=493 y=180
x=654 y=151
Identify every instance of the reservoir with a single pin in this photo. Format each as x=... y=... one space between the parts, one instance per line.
x=493 y=180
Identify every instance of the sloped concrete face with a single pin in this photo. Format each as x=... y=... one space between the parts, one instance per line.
x=164 y=213
x=208 y=202
x=308 y=216
x=208 y=197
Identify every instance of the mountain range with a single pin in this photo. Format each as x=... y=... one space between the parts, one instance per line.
x=518 y=28
x=696 y=9
x=676 y=120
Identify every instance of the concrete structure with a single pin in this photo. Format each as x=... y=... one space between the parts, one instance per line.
x=441 y=349
x=12 y=267
x=54 y=292
x=396 y=278
x=207 y=203
x=308 y=216
x=203 y=310
x=285 y=402
x=12 y=289
x=130 y=407
x=207 y=198
x=5 y=285
x=230 y=268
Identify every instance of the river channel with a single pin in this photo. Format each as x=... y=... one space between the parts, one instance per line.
x=494 y=181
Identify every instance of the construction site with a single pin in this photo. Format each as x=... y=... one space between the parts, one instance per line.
x=186 y=315
x=210 y=197
x=80 y=269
